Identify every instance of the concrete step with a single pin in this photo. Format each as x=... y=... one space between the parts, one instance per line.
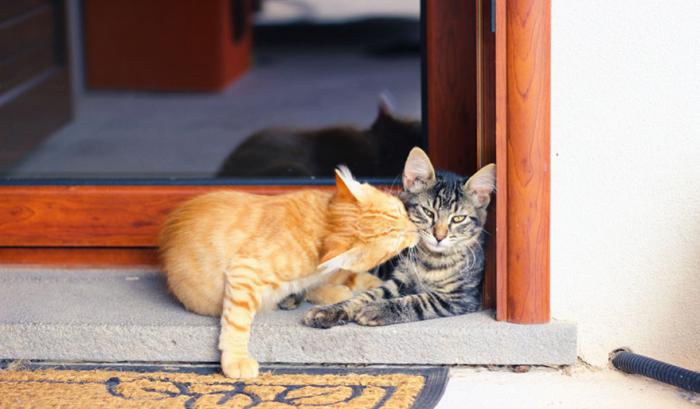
x=127 y=315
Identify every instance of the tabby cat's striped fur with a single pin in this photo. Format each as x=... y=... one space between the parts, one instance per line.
x=232 y=253
x=441 y=276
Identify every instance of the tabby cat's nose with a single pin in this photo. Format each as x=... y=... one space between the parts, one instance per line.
x=440 y=233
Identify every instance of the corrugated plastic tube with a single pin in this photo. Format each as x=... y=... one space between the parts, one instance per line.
x=629 y=362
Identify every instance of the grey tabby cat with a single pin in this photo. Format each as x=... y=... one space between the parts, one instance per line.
x=442 y=275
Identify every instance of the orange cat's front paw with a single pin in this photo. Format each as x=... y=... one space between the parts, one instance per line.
x=239 y=368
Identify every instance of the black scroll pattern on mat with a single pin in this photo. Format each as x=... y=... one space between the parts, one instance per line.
x=160 y=389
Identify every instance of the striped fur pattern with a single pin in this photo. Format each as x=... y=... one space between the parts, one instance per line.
x=233 y=254
x=442 y=275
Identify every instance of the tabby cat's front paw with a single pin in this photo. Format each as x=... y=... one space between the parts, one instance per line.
x=292 y=301
x=239 y=368
x=326 y=317
x=370 y=316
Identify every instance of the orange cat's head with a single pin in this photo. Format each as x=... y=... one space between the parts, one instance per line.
x=367 y=226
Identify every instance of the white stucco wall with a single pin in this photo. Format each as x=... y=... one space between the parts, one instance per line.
x=626 y=176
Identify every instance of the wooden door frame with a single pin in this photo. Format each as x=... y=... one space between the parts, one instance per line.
x=486 y=93
x=522 y=97
x=488 y=90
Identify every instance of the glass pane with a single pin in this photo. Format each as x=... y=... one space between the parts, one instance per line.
x=259 y=91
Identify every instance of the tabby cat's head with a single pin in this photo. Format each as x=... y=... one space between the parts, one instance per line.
x=449 y=210
x=367 y=226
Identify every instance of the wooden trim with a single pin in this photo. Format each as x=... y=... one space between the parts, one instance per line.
x=528 y=159
x=79 y=257
x=451 y=97
x=96 y=216
x=501 y=124
x=486 y=139
x=481 y=67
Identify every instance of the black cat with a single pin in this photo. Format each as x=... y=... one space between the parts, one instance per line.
x=286 y=152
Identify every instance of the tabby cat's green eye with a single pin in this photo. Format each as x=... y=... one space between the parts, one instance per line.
x=458 y=219
x=428 y=212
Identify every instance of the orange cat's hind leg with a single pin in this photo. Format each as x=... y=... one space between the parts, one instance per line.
x=334 y=290
x=364 y=281
x=342 y=286
x=328 y=294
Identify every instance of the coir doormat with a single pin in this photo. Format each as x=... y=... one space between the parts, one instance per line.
x=43 y=385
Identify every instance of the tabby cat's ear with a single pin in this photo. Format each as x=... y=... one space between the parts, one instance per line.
x=346 y=186
x=418 y=172
x=333 y=261
x=481 y=184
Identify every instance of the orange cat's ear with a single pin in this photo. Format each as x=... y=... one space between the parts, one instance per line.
x=418 y=172
x=347 y=187
x=333 y=261
x=481 y=184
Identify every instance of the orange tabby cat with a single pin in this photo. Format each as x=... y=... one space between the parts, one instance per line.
x=233 y=254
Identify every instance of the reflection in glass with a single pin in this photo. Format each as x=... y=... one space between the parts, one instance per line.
x=325 y=85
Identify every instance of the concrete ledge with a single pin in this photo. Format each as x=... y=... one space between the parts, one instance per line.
x=104 y=315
